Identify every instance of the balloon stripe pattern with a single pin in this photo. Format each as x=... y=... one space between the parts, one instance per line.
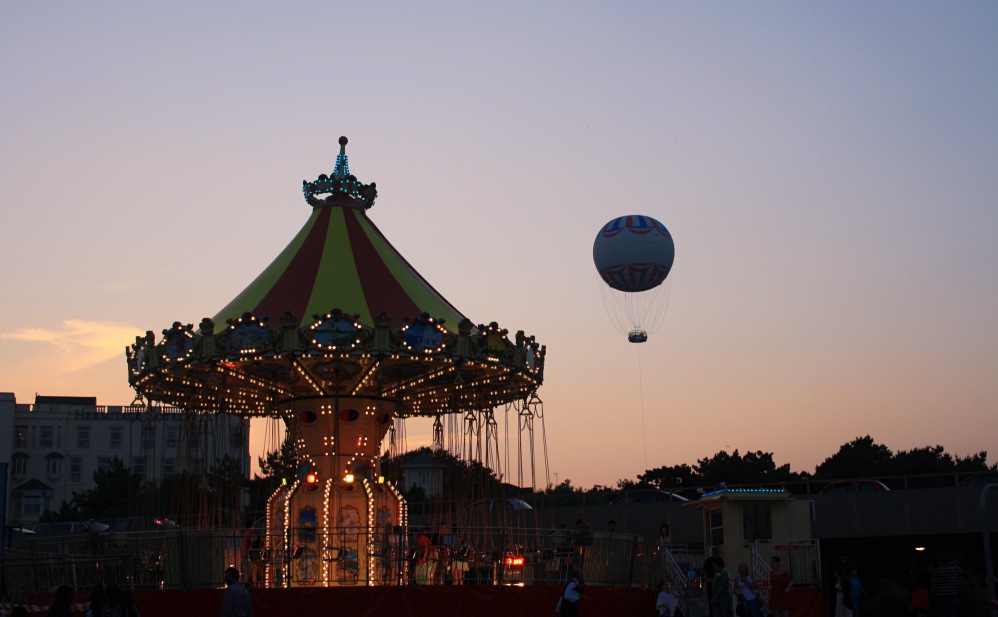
x=633 y=253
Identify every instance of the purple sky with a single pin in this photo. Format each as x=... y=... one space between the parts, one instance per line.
x=827 y=172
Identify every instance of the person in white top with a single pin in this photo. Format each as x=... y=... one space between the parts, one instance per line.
x=747 y=593
x=667 y=602
x=569 y=600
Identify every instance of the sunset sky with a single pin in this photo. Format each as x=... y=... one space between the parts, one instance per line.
x=827 y=170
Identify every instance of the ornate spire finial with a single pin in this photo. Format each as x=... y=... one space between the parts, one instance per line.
x=343 y=188
x=342 y=169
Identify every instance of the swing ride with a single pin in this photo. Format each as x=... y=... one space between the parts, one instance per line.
x=343 y=340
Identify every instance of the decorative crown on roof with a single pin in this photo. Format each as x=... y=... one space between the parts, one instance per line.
x=340 y=184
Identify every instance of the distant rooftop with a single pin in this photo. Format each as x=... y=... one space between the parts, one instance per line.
x=66 y=400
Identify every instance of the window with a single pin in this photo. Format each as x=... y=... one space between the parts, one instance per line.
x=172 y=435
x=47 y=437
x=168 y=469
x=148 y=438
x=32 y=504
x=20 y=464
x=716 y=527
x=139 y=467
x=757 y=521
x=115 y=437
x=76 y=470
x=83 y=437
x=104 y=463
x=54 y=466
x=20 y=436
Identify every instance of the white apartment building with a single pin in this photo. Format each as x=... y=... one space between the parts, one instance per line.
x=55 y=445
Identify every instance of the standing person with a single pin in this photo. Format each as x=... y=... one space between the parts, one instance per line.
x=745 y=586
x=946 y=576
x=583 y=538
x=114 y=600
x=855 y=590
x=459 y=563
x=664 y=539
x=720 y=589
x=841 y=593
x=393 y=554
x=446 y=546
x=779 y=584
x=568 y=603
x=247 y=560
x=61 y=602
x=709 y=565
x=236 y=599
x=663 y=542
x=255 y=554
x=667 y=603
x=128 y=608
x=921 y=604
x=423 y=565
x=98 y=602
x=398 y=553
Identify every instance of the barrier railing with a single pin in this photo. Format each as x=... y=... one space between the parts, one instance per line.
x=185 y=559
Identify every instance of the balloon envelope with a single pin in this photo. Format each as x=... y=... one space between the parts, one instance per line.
x=633 y=253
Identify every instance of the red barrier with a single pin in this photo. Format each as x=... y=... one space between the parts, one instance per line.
x=804 y=602
x=415 y=601
x=410 y=601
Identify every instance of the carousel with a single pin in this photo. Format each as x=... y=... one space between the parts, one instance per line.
x=341 y=340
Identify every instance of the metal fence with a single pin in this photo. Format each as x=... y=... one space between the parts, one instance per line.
x=681 y=566
x=185 y=559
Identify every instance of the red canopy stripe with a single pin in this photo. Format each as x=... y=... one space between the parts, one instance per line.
x=381 y=288
x=418 y=289
x=292 y=290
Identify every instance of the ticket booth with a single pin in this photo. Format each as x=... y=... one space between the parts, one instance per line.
x=768 y=521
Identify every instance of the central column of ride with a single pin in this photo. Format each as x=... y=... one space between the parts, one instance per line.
x=340 y=513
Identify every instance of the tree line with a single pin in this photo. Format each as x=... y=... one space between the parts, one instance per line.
x=214 y=499
x=862 y=457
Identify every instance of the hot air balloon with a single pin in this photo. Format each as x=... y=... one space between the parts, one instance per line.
x=633 y=255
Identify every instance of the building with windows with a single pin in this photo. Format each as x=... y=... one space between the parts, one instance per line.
x=55 y=445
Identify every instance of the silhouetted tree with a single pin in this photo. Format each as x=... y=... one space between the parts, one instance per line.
x=974 y=462
x=281 y=463
x=860 y=458
x=116 y=494
x=671 y=478
x=752 y=468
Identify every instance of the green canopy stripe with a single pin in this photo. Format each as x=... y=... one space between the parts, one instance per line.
x=337 y=283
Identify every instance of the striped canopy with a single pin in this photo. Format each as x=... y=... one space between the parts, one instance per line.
x=340 y=260
x=293 y=334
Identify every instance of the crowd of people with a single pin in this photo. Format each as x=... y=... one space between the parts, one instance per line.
x=727 y=596
x=743 y=596
x=442 y=557
x=439 y=558
x=105 y=601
